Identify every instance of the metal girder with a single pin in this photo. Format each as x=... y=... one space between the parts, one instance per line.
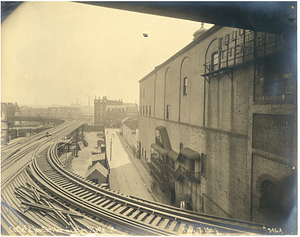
x=266 y=16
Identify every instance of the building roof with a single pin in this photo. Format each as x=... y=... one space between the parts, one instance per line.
x=97 y=167
x=132 y=124
x=206 y=34
x=99 y=157
x=190 y=154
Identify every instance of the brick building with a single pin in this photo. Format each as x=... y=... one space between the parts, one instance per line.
x=217 y=125
x=110 y=113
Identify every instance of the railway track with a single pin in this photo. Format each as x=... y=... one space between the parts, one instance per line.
x=47 y=199
x=127 y=212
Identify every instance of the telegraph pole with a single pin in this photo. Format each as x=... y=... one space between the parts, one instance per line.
x=111 y=137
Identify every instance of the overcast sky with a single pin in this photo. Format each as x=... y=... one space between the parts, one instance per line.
x=56 y=52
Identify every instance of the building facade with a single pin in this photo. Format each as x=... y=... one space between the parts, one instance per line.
x=217 y=125
x=130 y=133
x=57 y=112
x=110 y=113
x=7 y=110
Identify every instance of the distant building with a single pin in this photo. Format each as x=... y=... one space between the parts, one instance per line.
x=97 y=173
x=58 y=111
x=218 y=125
x=132 y=111
x=7 y=110
x=110 y=113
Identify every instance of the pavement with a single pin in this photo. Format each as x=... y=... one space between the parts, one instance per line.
x=125 y=177
x=157 y=194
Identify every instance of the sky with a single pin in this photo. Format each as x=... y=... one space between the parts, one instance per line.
x=61 y=52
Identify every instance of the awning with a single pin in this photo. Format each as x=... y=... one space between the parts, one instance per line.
x=164 y=137
x=189 y=153
x=159 y=149
x=173 y=155
x=160 y=127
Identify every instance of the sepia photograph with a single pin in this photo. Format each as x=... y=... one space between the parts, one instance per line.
x=145 y=118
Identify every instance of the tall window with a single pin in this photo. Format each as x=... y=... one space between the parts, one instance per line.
x=214 y=61
x=144 y=93
x=185 y=84
x=146 y=109
x=167 y=112
x=149 y=110
x=203 y=164
x=143 y=109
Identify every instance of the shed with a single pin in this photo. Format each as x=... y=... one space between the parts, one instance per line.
x=98 y=174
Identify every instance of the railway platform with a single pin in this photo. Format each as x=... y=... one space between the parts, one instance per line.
x=157 y=194
x=126 y=176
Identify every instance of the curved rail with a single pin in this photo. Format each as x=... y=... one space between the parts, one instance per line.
x=28 y=210
x=47 y=196
x=128 y=212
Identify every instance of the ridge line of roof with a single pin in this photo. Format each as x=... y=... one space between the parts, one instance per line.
x=209 y=32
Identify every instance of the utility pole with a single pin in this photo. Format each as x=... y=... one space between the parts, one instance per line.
x=111 y=137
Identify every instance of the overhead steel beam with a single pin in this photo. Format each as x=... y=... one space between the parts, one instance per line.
x=279 y=17
x=266 y=16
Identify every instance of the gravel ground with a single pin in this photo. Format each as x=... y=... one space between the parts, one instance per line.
x=80 y=164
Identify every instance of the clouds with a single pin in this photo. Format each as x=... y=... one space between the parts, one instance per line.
x=58 y=51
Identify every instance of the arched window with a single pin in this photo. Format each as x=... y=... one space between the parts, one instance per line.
x=268 y=200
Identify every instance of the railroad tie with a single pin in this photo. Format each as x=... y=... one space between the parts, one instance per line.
x=55 y=179
x=68 y=185
x=93 y=197
x=100 y=201
x=74 y=190
x=127 y=212
x=149 y=219
x=172 y=226
x=62 y=182
x=117 y=206
x=181 y=228
x=87 y=195
x=142 y=216
x=156 y=220
x=164 y=224
x=105 y=203
x=133 y=215
x=81 y=191
x=109 y=206
x=121 y=209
